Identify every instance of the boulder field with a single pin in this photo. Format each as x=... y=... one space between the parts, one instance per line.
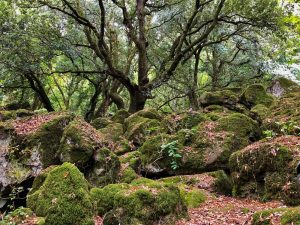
x=149 y=167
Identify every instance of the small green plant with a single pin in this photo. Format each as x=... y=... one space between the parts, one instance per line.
x=290 y=128
x=171 y=149
x=16 y=217
x=269 y=134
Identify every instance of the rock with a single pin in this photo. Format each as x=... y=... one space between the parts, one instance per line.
x=15 y=114
x=79 y=142
x=46 y=140
x=187 y=120
x=225 y=98
x=100 y=122
x=137 y=128
x=205 y=148
x=256 y=94
x=284 y=110
x=216 y=181
x=267 y=169
x=120 y=116
x=148 y=113
x=147 y=202
x=105 y=168
x=261 y=110
x=62 y=197
x=112 y=136
x=281 y=86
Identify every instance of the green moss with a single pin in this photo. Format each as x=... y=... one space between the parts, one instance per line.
x=148 y=113
x=132 y=158
x=153 y=158
x=138 y=128
x=224 y=97
x=261 y=110
x=104 y=197
x=144 y=202
x=47 y=139
x=120 y=116
x=100 y=122
x=267 y=169
x=78 y=143
x=63 y=197
x=15 y=114
x=256 y=94
x=222 y=183
x=286 y=215
x=106 y=168
x=128 y=175
x=188 y=120
x=193 y=198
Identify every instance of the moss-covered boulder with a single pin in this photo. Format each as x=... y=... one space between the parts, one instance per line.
x=256 y=94
x=120 y=116
x=139 y=203
x=105 y=168
x=46 y=140
x=15 y=114
x=79 y=142
x=113 y=137
x=261 y=110
x=187 y=120
x=241 y=125
x=100 y=122
x=216 y=181
x=267 y=169
x=148 y=113
x=62 y=197
x=138 y=128
x=204 y=148
x=225 y=98
x=284 y=110
x=283 y=216
x=281 y=86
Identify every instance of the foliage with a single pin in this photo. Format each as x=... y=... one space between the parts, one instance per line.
x=172 y=150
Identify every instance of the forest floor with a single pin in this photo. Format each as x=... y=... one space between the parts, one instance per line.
x=222 y=210
x=217 y=210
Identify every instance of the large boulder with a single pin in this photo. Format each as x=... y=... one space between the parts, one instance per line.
x=78 y=143
x=46 y=139
x=105 y=168
x=186 y=120
x=142 y=124
x=256 y=94
x=285 y=111
x=205 y=148
x=267 y=169
x=225 y=98
x=61 y=195
x=113 y=137
x=281 y=86
x=141 y=202
x=120 y=116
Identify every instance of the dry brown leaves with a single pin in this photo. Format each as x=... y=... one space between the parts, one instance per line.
x=226 y=211
x=30 y=125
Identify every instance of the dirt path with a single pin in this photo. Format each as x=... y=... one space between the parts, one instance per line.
x=227 y=211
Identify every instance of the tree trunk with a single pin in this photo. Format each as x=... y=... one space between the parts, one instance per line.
x=93 y=103
x=192 y=95
x=137 y=101
x=36 y=85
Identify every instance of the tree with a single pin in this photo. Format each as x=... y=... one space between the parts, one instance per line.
x=176 y=30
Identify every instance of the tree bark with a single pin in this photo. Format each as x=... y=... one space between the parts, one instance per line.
x=36 y=85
